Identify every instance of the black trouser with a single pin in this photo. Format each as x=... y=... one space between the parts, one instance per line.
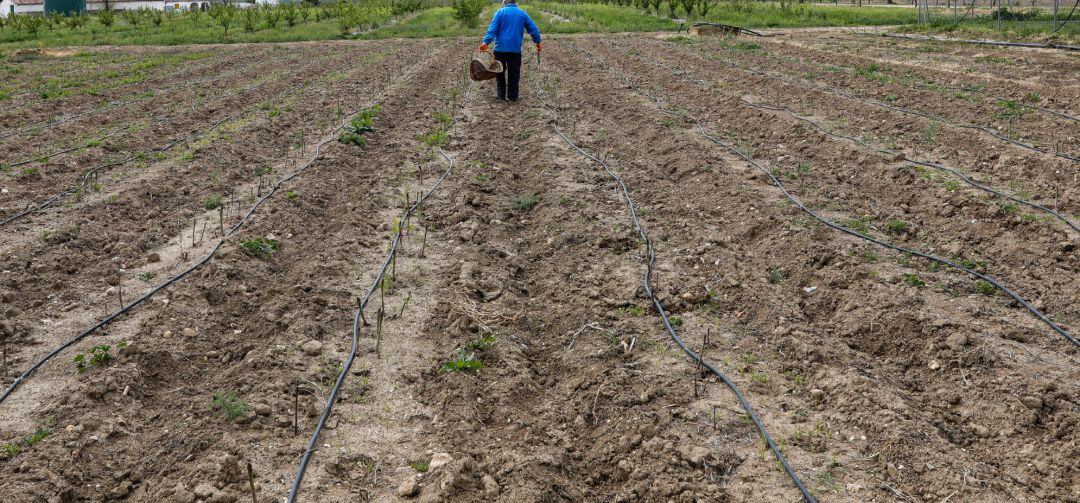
x=512 y=62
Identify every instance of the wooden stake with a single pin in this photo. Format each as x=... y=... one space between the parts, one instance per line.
x=423 y=243
x=378 y=334
x=251 y=483
x=193 y=223
x=120 y=293
x=296 y=410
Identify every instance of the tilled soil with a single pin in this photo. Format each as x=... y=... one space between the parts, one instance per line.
x=881 y=377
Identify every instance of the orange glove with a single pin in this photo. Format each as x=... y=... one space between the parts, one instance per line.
x=483 y=47
x=539 y=46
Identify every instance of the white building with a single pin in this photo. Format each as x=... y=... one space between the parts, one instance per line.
x=9 y=7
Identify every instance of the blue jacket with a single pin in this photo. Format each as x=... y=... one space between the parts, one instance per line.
x=507 y=29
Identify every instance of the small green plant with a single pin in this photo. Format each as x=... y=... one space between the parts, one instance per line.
x=147 y=276
x=98 y=355
x=360 y=125
x=633 y=310
x=914 y=280
x=265 y=170
x=229 y=406
x=290 y=195
x=10 y=449
x=929 y=136
x=776 y=276
x=896 y=227
x=984 y=287
x=261 y=248
x=463 y=362
x=212 y=202
x=872 y=71
x=952 y=185
x=1009 y=209
x=481 y=343
x=419 y=466
x=524 y=203
x=112 y=199
x=675 y=321
x=1028 y=218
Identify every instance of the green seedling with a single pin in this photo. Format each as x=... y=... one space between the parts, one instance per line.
x=914 y=280
x=481 y=343
x=360 y=125
x=462 y=363
x=229 y=406
x=952 y=185
x=147 y=276
x=10 y=449
x=896 y=227
x=633 y=310
x=776 y=276
x=261 y=248
x=212 y=202
x=985 y=287
x=524 y=203
x=98 y=355
x=290 y=195
x=419 y=466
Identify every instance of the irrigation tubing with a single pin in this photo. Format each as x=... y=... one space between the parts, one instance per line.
x=917 y=162
x=332 y=399
x=1067 y=18
x=118 y=103
x=136 y=127
x=650 y=262
x=984 y=277
x=143 y=298
x=294 y=492
x=903 y=110
x=980 y=91
x=966 y=179
x=84 y=179
x=1032 y=45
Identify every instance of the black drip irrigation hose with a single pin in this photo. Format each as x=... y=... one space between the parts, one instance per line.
x=966 y=179
x=84 y=179
x=143 y=298
x=695 y=356
x=1056 y=113
x=117 y=103
x=776 y=181
x=1032 y=45
x=357 y=317
x=136 y=127
x=1067 y=18
x=868 y=101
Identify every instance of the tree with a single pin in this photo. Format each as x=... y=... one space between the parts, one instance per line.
x=704 y=6
x=224 y=15
x=671 y=6
x=106 y=18
x=688 y=6
x=289 y=13
x=656 y=5
x=273 y=15
x=250 y=19
x=468 y=11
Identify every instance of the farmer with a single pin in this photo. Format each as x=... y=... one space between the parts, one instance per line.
x=506 y=30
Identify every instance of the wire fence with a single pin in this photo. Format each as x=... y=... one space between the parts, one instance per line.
x=1007 y=18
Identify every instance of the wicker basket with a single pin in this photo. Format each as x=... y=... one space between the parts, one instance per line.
x=477 y=70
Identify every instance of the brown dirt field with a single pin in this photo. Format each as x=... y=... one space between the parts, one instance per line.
x=881 y=376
